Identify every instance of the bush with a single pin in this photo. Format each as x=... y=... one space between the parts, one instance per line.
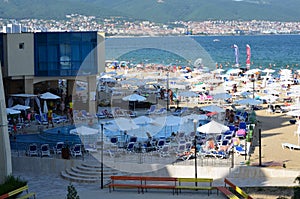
x=72 y=193
x=11 y=183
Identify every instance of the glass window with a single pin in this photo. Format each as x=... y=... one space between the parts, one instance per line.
x=52 y=38
x=52 y=54
x=42 y=54
x=75 y=52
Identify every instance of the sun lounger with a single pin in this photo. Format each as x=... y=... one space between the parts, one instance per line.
x=290 y=146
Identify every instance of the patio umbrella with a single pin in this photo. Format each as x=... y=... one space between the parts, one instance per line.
x=87 y=135
x=212 y=127
x=49 y=95
x=45 y=107
x=142 y=120
x=188 y=94
x=222 y=96
x=194 y=117
x=20 y=107
x=10 y=111
x=248 y=101
x=134 y=98
x=213 y=108
x=125 y=124
x=295 y=113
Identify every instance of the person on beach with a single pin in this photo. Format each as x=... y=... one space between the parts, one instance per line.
x=50 y=118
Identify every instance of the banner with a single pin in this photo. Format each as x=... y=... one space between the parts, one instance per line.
x=248 y=51
x=236 y=53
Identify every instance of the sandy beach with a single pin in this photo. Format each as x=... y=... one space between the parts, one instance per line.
x=275 y=130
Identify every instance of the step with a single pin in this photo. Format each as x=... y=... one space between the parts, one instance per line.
x=85 y=172
x=71 y=173
x=88 y=172
x=66 y=176
x=94 y=169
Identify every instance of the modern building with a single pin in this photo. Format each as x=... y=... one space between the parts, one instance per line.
x=33 y=63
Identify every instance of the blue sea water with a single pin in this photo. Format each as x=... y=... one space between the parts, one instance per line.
x=277 y=51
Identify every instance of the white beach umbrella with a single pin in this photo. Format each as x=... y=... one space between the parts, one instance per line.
x=49 y=95
x=188 y=94
x=134 y=98
x=213 y=108
x=45 y=107
x=295 y=113
x=268 y=70
x=20 y=107
x=248 y=101
x=10 y=111
x=213 y=127
x=142 y=120
x=221 y=96
x=194 y=117
x=125 y=124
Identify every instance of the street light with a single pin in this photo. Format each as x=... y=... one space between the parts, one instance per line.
x=102 y=149
x=168 y=97
x=195 y=144
x=252 y=79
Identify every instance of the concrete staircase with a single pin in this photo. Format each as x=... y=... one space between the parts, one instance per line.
x=89 y=173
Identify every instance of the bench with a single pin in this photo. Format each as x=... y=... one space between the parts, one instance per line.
x=148 y=179
x=142 y=183
x=189 y=186
x=136 y=182
x=18 y=191
x=237 y=189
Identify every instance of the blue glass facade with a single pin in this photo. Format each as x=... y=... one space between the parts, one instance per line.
x=65 y=53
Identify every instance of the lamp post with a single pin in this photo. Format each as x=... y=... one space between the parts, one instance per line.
x=168 y=97
x=253 y=81
x=259 y=146
x=102 y=146
x=195 y=144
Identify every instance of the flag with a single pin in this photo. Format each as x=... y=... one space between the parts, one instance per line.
x=236 y=52
x=248 y=51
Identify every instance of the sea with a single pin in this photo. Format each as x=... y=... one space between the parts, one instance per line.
x=267 y=51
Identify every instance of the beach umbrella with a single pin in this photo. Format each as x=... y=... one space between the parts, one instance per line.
x=213 y=108
x=268 y=70
x=142 y=120
x=248 y=101
x=87 y=135
x=134 y=98
x=49 y=95
x=194 y=117
x=212 y=127
x=20 y=107
x=10 y=111
x=295 y=113
x=221 y=96
x=188 y=94
x=45 y=107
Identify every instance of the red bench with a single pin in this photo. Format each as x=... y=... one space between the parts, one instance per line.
x=114 y=185
x=143 y=183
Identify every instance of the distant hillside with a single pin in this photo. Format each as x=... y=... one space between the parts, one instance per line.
x=155 y=10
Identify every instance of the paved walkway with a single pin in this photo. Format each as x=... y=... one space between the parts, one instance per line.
x=54 y=187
